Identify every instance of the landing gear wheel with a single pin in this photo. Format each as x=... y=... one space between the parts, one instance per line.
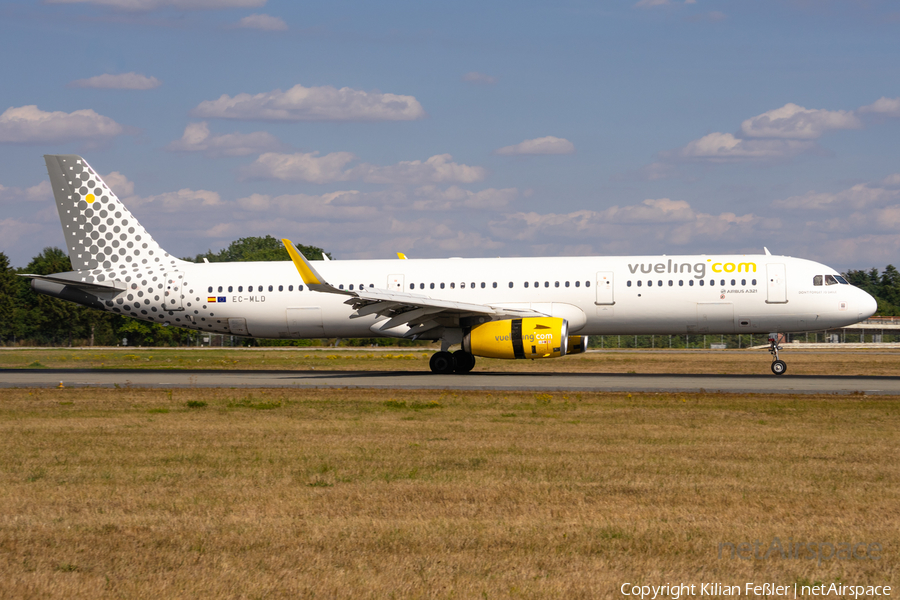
x=442 y=362
x=779 y=367
x=465 y=361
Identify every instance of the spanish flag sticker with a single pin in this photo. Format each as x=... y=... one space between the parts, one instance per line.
x=211 y=299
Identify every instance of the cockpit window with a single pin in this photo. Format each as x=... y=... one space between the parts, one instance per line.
x=830 y=280
x=841 y=280
x=817 y=280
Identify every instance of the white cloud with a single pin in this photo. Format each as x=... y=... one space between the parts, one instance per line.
x=725 y=147
x=798 y=123
x=437 y=169
x=323 y=103
x=544 y=145
x=301 y=166
x=889 y=107
x=31 y=125
x=143 y=5
x=331 y=168
x=431 y=197
x=860 y=196
x=36 y=193
x=263 y=22
x=120 y=185
x=652 y=3
x=184 y=200
x=196 y=138
x=13 y=230
x=476 y=77
x=891 y=180
x=124 y=81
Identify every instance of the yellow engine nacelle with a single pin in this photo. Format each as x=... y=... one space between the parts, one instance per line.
x=577 y=344
x=534 y=337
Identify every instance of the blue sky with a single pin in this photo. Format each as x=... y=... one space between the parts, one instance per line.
x=465 y=128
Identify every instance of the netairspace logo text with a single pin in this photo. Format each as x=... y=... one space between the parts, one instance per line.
x=750 y=590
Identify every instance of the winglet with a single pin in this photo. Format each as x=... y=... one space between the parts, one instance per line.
x=767 y=251
x=401 y=256
x=309 y=275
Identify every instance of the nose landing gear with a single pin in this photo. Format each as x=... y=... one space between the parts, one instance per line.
x=778 y=365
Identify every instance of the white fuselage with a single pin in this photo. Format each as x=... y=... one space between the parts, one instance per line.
x=714 y=294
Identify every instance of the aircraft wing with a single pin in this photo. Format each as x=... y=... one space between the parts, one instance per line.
x=419 y=312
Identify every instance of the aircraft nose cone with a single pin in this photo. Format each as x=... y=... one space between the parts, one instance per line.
x=868 y=306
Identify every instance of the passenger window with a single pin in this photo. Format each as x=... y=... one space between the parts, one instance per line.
x=462 y=285
x=587 y=284
x=690 y=283
x=495 y=284
x=671 y=283
x=442 y=285
x=754 y=282
x=712 y=282
x=260 y=288
x=482 y=285
x=432 y=286
x=299 y=288
x=270 y=288
x=452 y=285
x=421 y=286
x=412 y=286
x=702 y=282
x=290 y=288
x=830 y=280
x=733 y=282
x=629 y=283
x=723 y=282
x=659 y=283
x=556 y=284
x=650 y=283
x=351 y=287
x=210 y=289
x=341 y=286
x=639 y=282
x=280 y=288
x=526 y=284
x=681 y=283
x=510 y=284
x=546 y=284
x=577 y=284
x=567 y=284
x=472 y=285
x=240 y=288
x=230 y=288
x=537 y=284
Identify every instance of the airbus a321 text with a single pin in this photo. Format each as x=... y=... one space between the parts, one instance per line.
x=517 y=308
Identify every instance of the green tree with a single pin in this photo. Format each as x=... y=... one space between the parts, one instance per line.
x=9 y=300
x=258 y=249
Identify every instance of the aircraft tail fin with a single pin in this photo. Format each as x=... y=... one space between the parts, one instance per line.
x=100 y=232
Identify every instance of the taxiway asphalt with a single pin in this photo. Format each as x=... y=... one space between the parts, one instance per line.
x=575 y=382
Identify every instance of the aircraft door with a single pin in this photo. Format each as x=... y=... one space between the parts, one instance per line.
x=173 y=295
x=395 y=283
x=776 y=284
x=605 y=288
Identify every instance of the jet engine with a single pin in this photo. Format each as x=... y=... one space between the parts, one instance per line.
x=577 y=344
x=533 y=337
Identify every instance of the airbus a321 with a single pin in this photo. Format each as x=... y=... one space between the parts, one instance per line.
x=516 y=308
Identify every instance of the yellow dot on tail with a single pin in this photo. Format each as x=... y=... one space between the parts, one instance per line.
x=89 y=198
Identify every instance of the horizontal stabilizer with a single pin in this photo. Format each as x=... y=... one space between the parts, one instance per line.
x=80 y=281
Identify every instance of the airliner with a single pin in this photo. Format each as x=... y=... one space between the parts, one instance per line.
x=515 y=308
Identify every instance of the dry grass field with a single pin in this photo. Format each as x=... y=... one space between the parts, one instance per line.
x=885 y=361
x=222 y=493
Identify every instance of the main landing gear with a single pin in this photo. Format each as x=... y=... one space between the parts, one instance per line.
x=778 y=365
x=457 y=362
